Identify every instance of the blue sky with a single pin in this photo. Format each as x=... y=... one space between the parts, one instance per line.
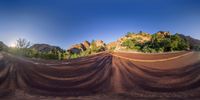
x=67 y=22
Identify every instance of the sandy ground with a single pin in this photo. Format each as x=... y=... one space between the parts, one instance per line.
x=107 y=76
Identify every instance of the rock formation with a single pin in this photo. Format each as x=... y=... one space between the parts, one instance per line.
x=78 y=48
x=86 y=44
x=111 y=45
x=163 y=34
x=99 y=43
x=140 y=37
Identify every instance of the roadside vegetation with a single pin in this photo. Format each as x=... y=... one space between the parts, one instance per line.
x=158 y=42
x=23 y=49
x=139 y=42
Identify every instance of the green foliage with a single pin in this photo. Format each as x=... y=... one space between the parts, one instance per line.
x=113 y=48
x=82 y=54
x=132 y=44
x=73 y=56
x=128 y=34
x=157 y=43
x=22 y=50
x=94 y=48
x=129 y=44
x=86 y=53
x=32 y=53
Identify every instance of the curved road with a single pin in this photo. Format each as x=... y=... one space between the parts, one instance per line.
x=139 y=75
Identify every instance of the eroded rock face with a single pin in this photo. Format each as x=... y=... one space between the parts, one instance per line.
x=140 y=37
x=111 y=45
x=163 y=34
x=100 y=43
x=78 y=48
x=86 y=44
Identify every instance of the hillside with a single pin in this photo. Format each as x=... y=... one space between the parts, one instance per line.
x=194 y=43
x=45 y=47
x=157 y=42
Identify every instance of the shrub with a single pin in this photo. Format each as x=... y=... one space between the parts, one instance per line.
x=73 y=56
x=158 y=43
x=129 y=44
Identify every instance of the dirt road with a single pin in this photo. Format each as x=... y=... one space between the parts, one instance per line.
x=103 y=76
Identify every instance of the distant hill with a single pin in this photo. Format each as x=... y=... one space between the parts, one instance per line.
x=3 y=46
x=194 y=43
x=45 y=47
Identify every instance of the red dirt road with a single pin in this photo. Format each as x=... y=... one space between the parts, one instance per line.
x=103 y=76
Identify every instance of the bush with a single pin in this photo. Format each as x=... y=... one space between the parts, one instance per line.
x=158 y=43
x=131 y=44
x=32 y=53
x=73 y=56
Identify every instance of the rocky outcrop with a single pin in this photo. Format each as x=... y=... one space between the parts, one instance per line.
x=78 y=48
x=115 y=46
x=99 y=43
x=45 y=47
x=140 y=37
x=86 y=44
x=111 y=45
x=163 y=34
